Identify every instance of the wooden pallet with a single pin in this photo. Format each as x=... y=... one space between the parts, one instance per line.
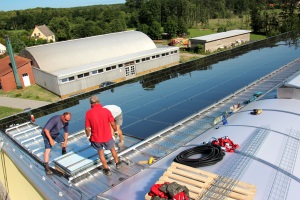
x=200 y=182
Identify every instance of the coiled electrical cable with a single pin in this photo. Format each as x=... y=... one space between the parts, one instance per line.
x=209 y=155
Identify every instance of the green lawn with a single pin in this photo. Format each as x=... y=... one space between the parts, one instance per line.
x=199 y=32
x=33 y=92
x=257 y=37
x=6 y=111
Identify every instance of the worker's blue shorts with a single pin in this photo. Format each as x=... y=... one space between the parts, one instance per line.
x=59 y=139
x=103 y=145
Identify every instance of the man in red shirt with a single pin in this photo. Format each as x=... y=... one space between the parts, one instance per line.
x=98 y=123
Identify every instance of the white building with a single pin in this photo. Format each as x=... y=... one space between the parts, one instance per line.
x=75 y=66
x=221 y=40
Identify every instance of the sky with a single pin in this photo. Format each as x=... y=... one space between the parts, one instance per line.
x=7 y=5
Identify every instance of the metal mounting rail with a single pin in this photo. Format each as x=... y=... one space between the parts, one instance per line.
x=287 y=162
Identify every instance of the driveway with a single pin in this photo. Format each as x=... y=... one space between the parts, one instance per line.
x=21 y=103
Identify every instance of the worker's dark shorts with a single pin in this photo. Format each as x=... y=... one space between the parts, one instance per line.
x=58 y=139
x=119 y=119
x=103 y=145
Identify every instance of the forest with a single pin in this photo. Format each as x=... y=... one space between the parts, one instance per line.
x=159 y=19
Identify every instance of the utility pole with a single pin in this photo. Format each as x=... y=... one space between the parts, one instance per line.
x=13 y=63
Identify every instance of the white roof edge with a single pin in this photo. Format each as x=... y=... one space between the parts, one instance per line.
x=293 y=81
x=221 y=35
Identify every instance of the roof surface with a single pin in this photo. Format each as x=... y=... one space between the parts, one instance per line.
x=217 y=36
x=267 y=158
x=173 y=111
x=294 y=81
x=45 y=30
x=6 y=64
x=62 y=55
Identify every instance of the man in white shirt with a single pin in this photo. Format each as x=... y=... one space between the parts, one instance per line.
x=116 y=112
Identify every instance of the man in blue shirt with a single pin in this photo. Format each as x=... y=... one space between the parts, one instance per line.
x=50 y=134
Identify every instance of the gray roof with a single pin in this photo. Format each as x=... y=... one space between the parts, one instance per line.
x=111 y=61
x=45 y=30
x=217 y=36
x=63 y=55
x=293 y=81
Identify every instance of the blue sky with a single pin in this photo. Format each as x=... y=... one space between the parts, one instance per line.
x=6 y=5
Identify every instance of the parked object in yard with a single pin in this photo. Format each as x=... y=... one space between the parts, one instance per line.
x=107 y=83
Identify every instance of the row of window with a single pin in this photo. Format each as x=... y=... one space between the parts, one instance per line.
x=98 y=71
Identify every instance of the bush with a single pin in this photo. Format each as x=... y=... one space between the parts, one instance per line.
x=18 y=95
x=28 y=96
x=199 y=49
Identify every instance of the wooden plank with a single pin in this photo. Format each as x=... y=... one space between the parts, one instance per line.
x=202 y=184
x=184 y=167
x=189 y=181
x=196 y=176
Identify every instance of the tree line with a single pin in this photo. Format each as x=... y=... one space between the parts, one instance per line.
x=156 y=18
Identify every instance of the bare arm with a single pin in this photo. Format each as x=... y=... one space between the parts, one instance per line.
x=48 y=135
x=88 y=131
x=66 y=139
x=114 y=126
x=120 y=133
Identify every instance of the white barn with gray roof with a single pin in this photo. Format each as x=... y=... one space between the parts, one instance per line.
x=221 y=40
x=75 y=66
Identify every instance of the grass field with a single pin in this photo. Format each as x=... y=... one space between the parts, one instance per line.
x=33 y=92
x=6 y=111
x=199 y=32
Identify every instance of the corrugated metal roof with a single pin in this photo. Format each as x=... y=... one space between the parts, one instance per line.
x=217 y=36
x=62 y=55
x=111 y=61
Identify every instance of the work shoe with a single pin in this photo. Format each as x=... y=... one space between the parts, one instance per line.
x=107 y=172
x=63 y=151
x=119 y=165
x=49 y=172
x=47 y=169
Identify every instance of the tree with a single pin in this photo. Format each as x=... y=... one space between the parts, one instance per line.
x=171 y=28
x=155 y=31
x=291 y=21
x=256 y=20
x=60 y=26
x=182 y=27
x=143 y=28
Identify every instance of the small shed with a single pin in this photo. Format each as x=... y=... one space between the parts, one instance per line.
x=221 y=40
x=7 y=79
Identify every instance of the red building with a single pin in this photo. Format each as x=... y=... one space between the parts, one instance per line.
x=7 y=78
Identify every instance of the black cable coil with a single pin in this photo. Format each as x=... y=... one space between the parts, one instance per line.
x=210 y=155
